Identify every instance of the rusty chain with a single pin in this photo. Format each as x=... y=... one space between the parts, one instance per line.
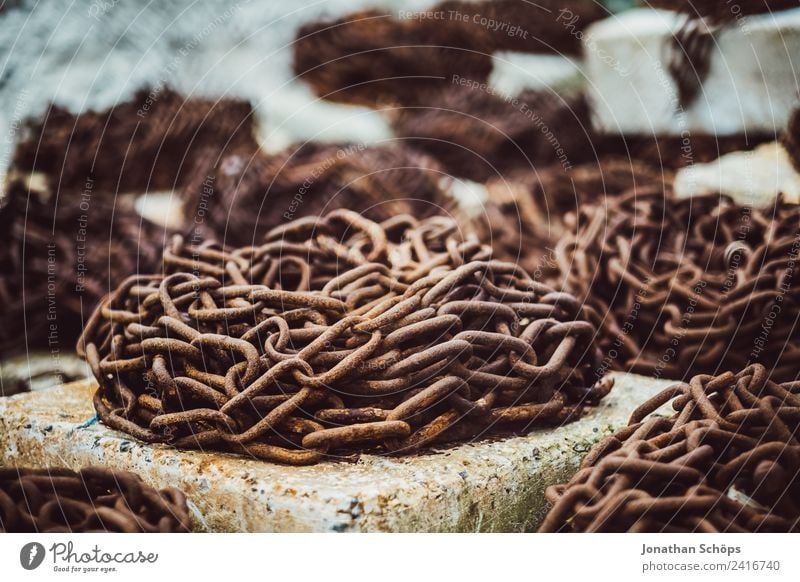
x=682 y=287
x=372 y=57
x=523 y=216
x=728 y=460
x=308 y=180
x=479 y=135
x=58 y=260
x=338 y=335
x=94 y=499
x=791 y=138
x=146 y=144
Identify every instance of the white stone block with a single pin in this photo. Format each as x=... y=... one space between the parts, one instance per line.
x=294 y=114
x=162 y=208
x=752 y=83
x=514 y=72
x=752 y=178
x=39 y=370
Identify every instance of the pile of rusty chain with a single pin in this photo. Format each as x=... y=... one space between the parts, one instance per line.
x=523 y=216
x=544 y=26
x=147 y=143
x=95 y=499
x=67 y=237
x=335 y=336
x=791 y=138
x=59 y=256
x=684 y=287
x=478 y=134
x=728 y=460
x=237 y=197
x=371 y=57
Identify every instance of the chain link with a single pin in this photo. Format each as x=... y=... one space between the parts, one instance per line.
x=335 y=336
x=728 y=460
x=94 y=499
x=684 y=287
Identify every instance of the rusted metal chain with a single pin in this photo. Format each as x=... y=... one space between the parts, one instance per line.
x=682 y=287
x=68 y=236
x=545 y=26
x=524 y=214
x=95 y=499
x=728 y=460
x=255 y=191
x=338 y=335
x=377 y=58
x=479 y=134
x=372 y=57
x=59 y=255
x=147 y=143
x=525 y=211
x=791 y=138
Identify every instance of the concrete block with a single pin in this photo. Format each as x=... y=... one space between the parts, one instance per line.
x=753 y=178
x=514 y=72
x=294 y=114
x=751 y=86
x=489 y=485
x=162 y=208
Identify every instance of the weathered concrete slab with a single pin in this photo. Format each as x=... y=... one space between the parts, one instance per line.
x=485 y=486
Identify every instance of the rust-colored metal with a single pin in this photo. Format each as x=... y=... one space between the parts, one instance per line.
x=59 y=256
x=544 y=26
x=147 y=143
x=524 y=214
x=338 y=335
x=95 y=499
x=377 y=58
x=728 y=460
x=236 y=197
x=479 y=134
x=68 y=236
x=372 y=57
x=682 y=287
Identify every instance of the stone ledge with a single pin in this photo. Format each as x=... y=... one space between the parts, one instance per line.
x=490 y=485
